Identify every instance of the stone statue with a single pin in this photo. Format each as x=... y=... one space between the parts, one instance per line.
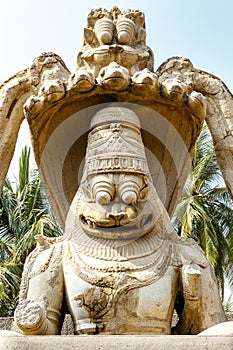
x=119 y=268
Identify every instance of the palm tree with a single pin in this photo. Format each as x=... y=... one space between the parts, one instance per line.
x=24 y=213
x=205 y=210
x=228 y=304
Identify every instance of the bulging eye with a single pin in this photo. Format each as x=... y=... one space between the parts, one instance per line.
x=129 y=191
x=129 y=197
x=103 y=197
x=103 y=190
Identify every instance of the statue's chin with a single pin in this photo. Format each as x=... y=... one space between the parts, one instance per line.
x=134 y=230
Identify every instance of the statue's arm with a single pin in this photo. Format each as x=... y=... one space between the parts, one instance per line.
x=198 y=302
x=41 y=292
x=211 y=310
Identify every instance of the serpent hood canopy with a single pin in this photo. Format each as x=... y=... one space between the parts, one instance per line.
x=115 y=67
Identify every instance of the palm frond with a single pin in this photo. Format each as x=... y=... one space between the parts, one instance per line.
x=205 y=210
x=23 y=178
x=24 y=213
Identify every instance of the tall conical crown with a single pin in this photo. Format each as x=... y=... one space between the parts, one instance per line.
x=115 y=143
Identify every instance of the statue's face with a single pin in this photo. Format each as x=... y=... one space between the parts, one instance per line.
x=116 y=206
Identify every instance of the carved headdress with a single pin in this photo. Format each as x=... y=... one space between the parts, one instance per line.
x=115 y=143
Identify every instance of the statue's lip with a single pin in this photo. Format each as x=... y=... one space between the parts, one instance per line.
x=114 y=77
x=115 y=47
x=134 y=231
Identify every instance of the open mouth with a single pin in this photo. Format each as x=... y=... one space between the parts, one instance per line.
x=130 y=231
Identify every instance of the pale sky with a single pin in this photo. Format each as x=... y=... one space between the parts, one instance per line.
x=201 y=30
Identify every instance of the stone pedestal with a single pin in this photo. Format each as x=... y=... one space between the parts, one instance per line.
x=116 y=342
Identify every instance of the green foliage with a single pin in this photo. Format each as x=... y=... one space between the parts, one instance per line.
x=205 y=211
x=228 y=304
x=24 y=213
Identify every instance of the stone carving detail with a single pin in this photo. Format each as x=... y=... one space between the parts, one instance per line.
x=48 y=74
x=122 y=266
x=119 y=268
x=114 y=49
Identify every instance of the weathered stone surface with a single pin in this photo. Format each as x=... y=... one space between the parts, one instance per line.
x=119 y=268
x=225 y=328
x=6 y=323
x=13 y=94
x=116 y=342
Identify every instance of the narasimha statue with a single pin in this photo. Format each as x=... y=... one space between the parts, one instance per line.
x=113 y=143
x=120 y=266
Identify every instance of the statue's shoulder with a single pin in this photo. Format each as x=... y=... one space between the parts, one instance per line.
x=47 y=249
x=189 y=251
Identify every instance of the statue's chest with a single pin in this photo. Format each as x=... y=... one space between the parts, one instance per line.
x=121 y=302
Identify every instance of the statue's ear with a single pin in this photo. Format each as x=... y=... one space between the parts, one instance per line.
x=141 y=35
x=88 y=35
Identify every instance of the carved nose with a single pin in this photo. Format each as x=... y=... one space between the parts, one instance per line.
x=116 y=216
x=117 y=213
